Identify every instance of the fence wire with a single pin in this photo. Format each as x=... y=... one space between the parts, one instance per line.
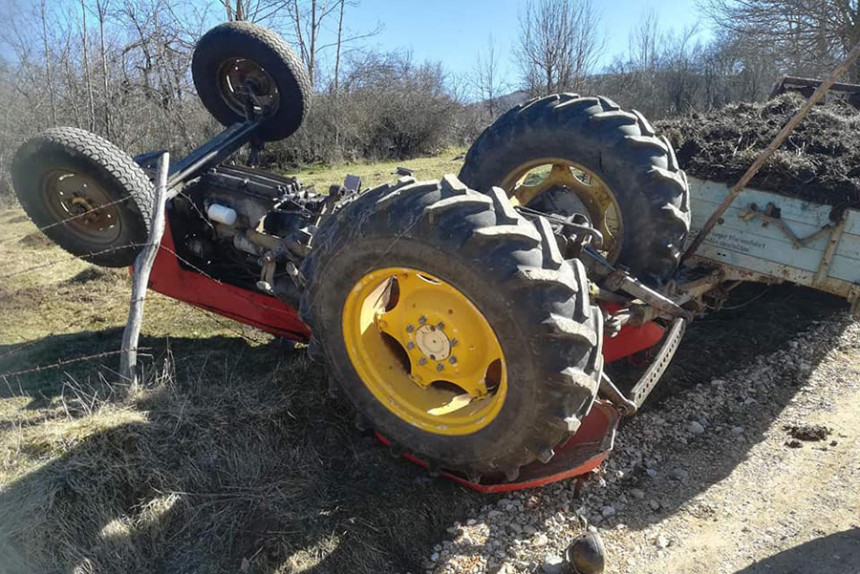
x=63 y=362
x=67 y=220
x=60 y=363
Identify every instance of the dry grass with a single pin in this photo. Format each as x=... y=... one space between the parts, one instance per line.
x=231 y=458
x=373 y=174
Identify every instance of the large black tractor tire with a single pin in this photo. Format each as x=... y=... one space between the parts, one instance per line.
x=536 y=303
x=86 y=194
x=621 y=148
x=235 y=52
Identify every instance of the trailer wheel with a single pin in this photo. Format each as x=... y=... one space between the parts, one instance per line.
x=232 y=56
x=453 y=325
x=567 y=154
x=86 y=194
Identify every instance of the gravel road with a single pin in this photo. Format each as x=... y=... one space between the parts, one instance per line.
x=758 y=471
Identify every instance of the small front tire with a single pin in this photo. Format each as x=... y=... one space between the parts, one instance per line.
x=235 y=55
x=86 y=194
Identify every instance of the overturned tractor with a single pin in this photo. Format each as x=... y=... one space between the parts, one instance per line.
x=468 y=319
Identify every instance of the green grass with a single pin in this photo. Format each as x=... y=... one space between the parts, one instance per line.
x=373 y=174
x=231 y=457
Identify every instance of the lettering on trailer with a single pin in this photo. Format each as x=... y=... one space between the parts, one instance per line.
x=732 y=242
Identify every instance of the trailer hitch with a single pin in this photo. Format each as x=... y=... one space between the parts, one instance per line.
x=615 y=279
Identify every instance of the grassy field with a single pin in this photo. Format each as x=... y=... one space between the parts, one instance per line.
x=232 y=457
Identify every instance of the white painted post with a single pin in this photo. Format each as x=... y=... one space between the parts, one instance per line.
x=140 y=280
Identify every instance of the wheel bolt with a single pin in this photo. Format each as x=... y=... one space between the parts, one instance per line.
x=440 y=367
x=422 y=361
x=454 y=342
x=422 y=319
x=410 y=345
x=440 y=326
x=452 y=359
x=409 y=328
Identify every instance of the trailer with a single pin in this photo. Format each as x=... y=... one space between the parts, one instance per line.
x=767 y=237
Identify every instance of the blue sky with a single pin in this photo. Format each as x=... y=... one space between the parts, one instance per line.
x=452 y=31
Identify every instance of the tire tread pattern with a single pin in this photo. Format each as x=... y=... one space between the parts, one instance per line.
x=243 y=34
x=134 y=189
x=654 y=197
x=481 y=234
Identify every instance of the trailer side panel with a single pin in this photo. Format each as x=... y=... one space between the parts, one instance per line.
x=781 y=238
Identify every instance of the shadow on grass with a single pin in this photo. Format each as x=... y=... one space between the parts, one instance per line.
x=240 y=461
x=835 y=554
x=713 y=348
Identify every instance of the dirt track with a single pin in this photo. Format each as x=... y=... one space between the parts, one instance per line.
x=708 y=481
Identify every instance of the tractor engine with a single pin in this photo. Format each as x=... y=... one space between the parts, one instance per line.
x=247 y=228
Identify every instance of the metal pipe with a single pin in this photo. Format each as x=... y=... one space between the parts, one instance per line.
x=210 y=153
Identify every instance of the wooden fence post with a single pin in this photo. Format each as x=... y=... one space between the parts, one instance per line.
x=140 y=280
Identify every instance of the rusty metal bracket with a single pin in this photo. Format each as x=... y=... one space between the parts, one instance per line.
x=629 y=406
x=829 y=251
x=620 y=280
x=854 y=300
x=613 y=279
x=613 y=394
x=771 y=215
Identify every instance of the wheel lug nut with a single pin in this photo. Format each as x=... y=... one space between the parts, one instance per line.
x=454 y=342
x=422 y=361
x=452 y=359
x=409 y=328
x=422 y=319
x=440 y=326
x=410 y=345
x=440 y=367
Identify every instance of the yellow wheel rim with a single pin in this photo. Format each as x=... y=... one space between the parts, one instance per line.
x=425 y=351
x=530 y=180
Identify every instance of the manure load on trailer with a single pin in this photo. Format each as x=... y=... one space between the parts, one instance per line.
x=819 y=162
x=799 y=218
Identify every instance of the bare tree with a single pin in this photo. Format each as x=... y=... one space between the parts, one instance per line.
x=487 y=79
x=101 y=14
x=43 y=12
x=234 y=12
x=251 y=10
x=559 y=44
x=810 y=34
x=91 y=106
x=682 y=78
x=643 y=42
x=307 y=20
x=664 y=72
x=339 y=46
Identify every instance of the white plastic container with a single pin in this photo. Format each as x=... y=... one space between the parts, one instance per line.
x=221 y=214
